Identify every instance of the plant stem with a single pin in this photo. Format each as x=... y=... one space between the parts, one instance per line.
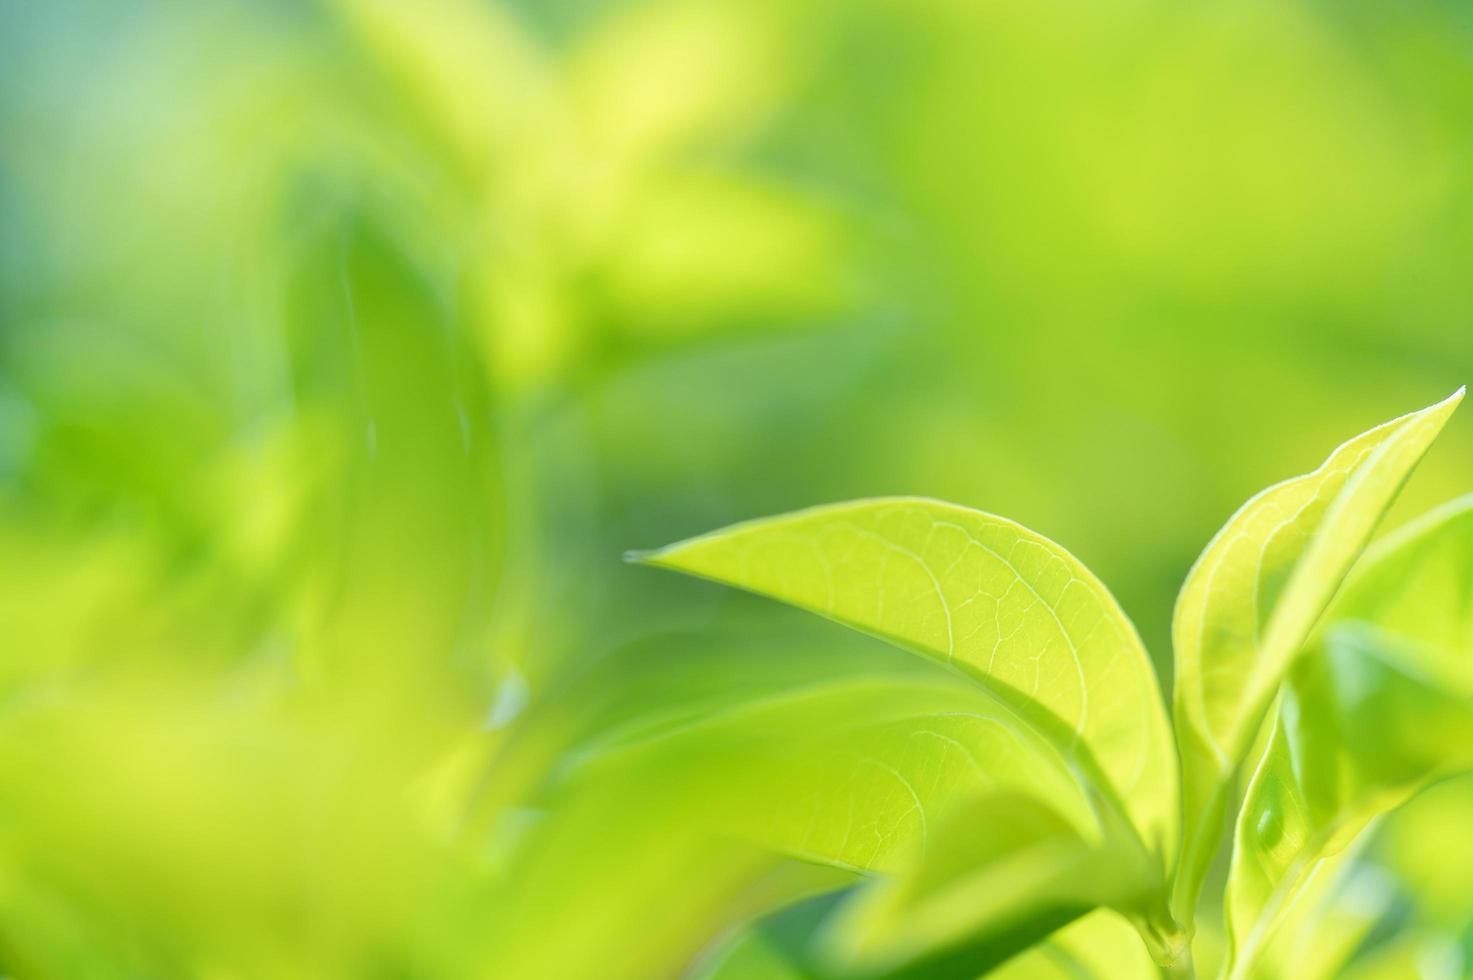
x=1170 y=946
x=1180 y=968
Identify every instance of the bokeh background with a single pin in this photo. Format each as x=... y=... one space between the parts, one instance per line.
x=345 y=346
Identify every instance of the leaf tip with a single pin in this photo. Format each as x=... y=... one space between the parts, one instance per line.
x=647 y=556
x=1450 y=404
x=1446 y=407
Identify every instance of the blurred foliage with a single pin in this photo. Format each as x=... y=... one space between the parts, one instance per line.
x=344 y=346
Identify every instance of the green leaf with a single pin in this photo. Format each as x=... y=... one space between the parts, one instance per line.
x=1376 y=712
x=1004 y=871
x=1099 y=946
x=848 y=776
x=620 y=858
x=1416 y=585
x=1252 y=599
x=663 y=683
x=1425 y=846
x=752 y=957
x=1415 y=952
x=853 y=774
x=1334 y=914
x=983 y=596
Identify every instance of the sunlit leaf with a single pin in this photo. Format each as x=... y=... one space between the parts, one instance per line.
x=855 y=774
x=1421 y=953
x=1253 y=597
x=1372 y=715
x=622 y=859
x=693 y=825
x=1423 y=845
x=1004 y=871
x=1099 y=946
x=1336 y=911
x=752 y=957
x=986 y=597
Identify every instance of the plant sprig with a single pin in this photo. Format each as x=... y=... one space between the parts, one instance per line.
x=1111 y=805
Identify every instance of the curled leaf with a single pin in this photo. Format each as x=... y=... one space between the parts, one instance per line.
x=1253 y=597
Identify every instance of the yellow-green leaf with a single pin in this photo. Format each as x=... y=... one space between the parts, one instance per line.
x=1005 y=871
x=1335 y=911
x=986 y=597
x=854 y=774
x=1375 y=712
x=1099 y=946
x=1252 y=599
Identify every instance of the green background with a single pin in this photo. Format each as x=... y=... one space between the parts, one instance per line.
x=346 y=346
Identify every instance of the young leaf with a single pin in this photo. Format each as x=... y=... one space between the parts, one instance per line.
x=1417 y=585
x=1374 y=714
x=752 y=956
x=1357 y=738
x=618 y=858
x=1005 y=871
x=984 y=596
x=1252 y=598
x=1334 y=913
x=849 y=775
x=869 y=797
x=1411 y=952
x=854 y=774
x=1099 y=946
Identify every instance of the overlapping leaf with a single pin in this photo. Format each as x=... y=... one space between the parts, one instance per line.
x=1379 y=709
x=987 y=597
x=850 y=777
x=1099 y=946
x=1004 y=872
x=1335 y=911
x=854 y=774
x=1252 y=599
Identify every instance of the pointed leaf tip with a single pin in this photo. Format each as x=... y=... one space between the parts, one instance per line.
x=1234 y=644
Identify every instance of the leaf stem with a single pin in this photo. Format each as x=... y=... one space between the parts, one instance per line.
x=1180 y=968
x=1170 y=946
